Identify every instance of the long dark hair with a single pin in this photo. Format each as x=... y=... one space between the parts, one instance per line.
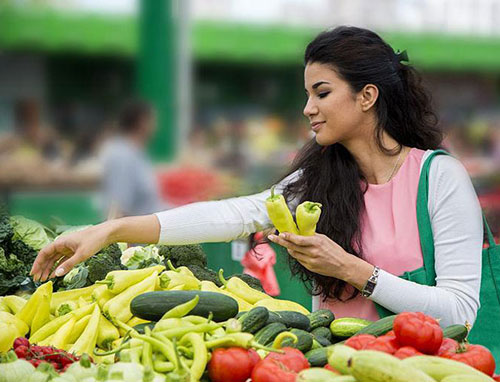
x=329 y=174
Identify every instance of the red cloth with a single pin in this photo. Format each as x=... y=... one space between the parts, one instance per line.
x=259 y=263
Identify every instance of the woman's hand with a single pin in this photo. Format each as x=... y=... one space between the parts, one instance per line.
x=322 y=255
x=71 y=249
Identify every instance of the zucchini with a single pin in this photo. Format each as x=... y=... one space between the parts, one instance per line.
x=152 y=306
x=304 y=343
x=294 y=319
x=317 y=357
x=322 y=332
x=321 y=318
x=457 y=332
x=348 y=326
x=268 y=333
x=380 y=327
x=254 y=320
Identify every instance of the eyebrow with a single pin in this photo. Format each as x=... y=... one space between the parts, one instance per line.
x=317 y=84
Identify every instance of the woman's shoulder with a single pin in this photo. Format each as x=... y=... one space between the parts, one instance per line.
x=443 y=164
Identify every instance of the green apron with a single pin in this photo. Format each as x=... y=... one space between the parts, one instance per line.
x=484 y=331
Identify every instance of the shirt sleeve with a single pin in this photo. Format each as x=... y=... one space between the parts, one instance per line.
x=219 y=221
x=457 y=227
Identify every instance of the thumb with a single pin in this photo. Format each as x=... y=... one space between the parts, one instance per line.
x=67 y=265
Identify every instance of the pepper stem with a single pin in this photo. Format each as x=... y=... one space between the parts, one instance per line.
x=256 y=345
x=272 y=191
x=171 y=266
x=221 y=277
x=279 y=339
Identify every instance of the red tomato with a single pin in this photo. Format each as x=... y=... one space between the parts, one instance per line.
x=448 y=344
x=496 y=377
x=359 y=342
x=406 y=351
x=418 y=330
x=232 y=364
x=476 y=356
x=292 y=358
x=386 y=344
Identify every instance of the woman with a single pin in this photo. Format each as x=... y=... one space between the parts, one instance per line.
x=374 y=128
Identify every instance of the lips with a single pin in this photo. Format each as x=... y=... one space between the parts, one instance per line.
x=315 y=126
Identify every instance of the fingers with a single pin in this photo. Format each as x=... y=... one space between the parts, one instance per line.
x=283 y=240
x=66 y=265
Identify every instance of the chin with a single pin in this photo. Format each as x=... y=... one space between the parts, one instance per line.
x=322 y=141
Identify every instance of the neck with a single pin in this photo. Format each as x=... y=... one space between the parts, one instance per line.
x=376 y=165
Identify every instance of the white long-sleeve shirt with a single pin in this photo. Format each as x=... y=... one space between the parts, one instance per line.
x=457 y=228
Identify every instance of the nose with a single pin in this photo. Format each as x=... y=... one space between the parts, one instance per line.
x=310 y=109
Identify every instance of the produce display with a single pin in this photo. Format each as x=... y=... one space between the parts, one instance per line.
x=157 y=313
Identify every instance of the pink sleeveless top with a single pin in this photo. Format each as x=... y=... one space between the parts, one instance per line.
x=389 y=233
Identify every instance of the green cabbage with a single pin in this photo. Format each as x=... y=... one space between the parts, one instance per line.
x=29 y=232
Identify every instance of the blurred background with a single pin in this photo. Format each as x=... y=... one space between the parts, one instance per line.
x=206 y=96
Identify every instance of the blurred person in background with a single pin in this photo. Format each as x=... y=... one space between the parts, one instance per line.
x=31 y=137
x=128 y=183
x=374 y=128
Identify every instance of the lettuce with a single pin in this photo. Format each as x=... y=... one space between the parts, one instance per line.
x=141 y=257
x=29 y=232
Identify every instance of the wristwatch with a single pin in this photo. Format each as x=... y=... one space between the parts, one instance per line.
x=371 y=283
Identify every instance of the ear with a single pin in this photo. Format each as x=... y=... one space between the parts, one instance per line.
x=368 y=96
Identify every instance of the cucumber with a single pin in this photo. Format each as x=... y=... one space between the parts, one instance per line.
x=317 y=357
x=315 y=374
x=370 y=365
x=152 y=306
x=348 y=326
x=294 y=319
x=268 y=333
x=380 y=327
x=322 y=332
x=304 y=343
x=463 y=378
x=320 y=318
x=273 y=317
x=457 y=332
x=322 y=340
x=339 y=356
x=254 y=320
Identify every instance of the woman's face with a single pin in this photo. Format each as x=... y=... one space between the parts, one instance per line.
x=332 y=108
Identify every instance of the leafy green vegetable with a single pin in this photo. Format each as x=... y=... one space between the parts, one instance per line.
x=191 y=254
x=29 y=231
x=10 y=265
x=141 y=257
x=6 y=231
x=76 y=278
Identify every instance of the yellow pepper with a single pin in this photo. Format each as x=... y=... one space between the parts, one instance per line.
x=184 y=270
x=275 y=305
x=136 y=321
x=8 y=318
x=42 y=314
x=78 y=329
x=87 y=340
x=241 y=289
x=3 y=306
x=107 y=333
x=8 y=333
x=15 y=303
x=70 y=295
x=172 y=279
x=118 y=308
x=209 y=286
x=51 y=327
x=61 y=337
x=280 y=214
x=102 y=295
x=30 y=309
x=307 y=215
x=66 y=307
x=118 y=281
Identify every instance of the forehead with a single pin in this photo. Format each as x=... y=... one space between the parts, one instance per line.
x=315 y=72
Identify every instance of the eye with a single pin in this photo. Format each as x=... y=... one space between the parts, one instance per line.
x=323 y=94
